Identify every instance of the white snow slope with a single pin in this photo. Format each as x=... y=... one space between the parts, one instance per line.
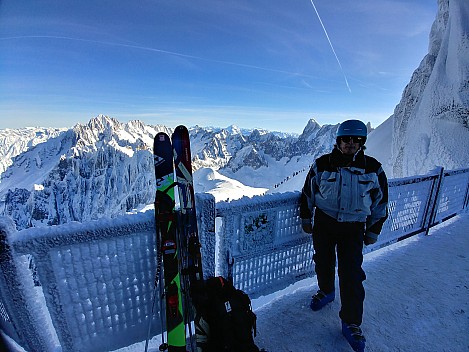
x=208 y=180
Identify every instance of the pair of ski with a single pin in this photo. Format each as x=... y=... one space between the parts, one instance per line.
x=179 y=262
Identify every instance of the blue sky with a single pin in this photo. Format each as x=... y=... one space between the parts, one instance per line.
x=251 y=63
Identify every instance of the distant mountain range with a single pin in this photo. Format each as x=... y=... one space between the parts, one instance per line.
x=105 y=168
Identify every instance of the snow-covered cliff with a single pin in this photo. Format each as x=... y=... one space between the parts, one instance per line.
x=431 y=122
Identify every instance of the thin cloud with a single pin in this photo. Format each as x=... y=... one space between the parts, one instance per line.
x=146 y=48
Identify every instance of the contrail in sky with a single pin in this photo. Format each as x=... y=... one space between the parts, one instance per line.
x=139 y=47
x=332 y=47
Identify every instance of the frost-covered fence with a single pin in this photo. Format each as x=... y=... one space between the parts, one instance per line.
x=97 y=277
x=96 y=281
x=453 y=195
x=263 y=247
x=418 y=203
x=410 y=206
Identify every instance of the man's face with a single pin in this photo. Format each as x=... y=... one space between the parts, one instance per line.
x=350 y=145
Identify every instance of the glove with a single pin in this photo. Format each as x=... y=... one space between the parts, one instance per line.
x=370 y=238
x=307 y=226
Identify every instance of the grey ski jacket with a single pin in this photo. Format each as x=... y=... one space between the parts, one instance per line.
x=348 y=189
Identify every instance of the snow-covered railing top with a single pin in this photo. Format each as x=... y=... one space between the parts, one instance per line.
x=97 y=277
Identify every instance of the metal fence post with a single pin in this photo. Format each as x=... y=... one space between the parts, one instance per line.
x=434 y=204
x=466 y=199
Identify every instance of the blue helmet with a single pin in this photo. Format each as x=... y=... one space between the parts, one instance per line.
x=352 y=128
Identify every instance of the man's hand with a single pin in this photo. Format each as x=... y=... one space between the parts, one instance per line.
x=370 y=238
x=307 y=225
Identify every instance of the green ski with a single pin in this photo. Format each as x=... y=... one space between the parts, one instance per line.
x=165 y=219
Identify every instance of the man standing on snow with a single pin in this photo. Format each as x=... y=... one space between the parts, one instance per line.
x=347 y=193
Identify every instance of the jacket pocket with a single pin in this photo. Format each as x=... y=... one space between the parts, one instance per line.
x=328 y=185
x=365 y=184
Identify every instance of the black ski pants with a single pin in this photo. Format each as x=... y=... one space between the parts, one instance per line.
x=346 y=238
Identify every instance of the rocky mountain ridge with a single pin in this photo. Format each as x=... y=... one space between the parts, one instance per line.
x=105 y=167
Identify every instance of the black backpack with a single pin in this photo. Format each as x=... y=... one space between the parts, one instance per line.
x=225 y=321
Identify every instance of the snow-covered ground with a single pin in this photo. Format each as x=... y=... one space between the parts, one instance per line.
x=207 y=180
x=417 y=299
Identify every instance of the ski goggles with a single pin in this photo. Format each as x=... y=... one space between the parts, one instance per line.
x=353 y=139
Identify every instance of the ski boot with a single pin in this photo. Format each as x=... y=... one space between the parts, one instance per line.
x=354 y=336
x=320 y=299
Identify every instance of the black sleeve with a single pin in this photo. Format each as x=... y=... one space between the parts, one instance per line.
x=381 y=209
x=306 y=198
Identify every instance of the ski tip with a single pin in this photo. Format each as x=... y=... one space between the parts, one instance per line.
x=181 y=129
x=161 y=137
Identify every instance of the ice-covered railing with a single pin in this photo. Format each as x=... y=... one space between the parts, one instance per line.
x=262 y=245
x=97 y=277
x=96 y=281
x=453 y=195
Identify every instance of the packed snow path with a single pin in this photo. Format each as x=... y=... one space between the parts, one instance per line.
x=417 y=299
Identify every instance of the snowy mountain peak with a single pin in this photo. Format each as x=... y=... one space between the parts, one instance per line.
x=103 y=122
x=100 y=128
x=14 y=142
x=135 y=125
x=311 y=128
x=317 y=136
x=233 y=129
